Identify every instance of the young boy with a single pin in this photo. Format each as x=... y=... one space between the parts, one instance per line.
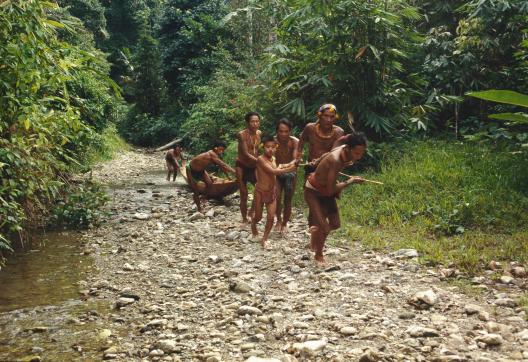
x=286 y=153
x=265 y=188
x=196 y=170
x=248 y=142
x=322 y=189
x=171 y=158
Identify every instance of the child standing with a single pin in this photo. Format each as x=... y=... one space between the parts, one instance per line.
x=265 y=188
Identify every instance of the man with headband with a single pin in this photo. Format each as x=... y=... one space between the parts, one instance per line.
x=322 y=136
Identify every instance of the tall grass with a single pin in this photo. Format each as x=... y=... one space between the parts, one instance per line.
x=454 y=202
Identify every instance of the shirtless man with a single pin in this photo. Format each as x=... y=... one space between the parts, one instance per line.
x=286 y=152
x=196 y=170
x=248 y=142
x=265 y=188
x=171 y=158
x=321 y=189
x=322 y=136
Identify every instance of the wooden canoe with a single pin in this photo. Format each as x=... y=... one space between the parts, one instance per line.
x=168 y=145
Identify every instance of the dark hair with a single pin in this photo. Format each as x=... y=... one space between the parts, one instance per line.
x=355 y=139
x=267 y=138
x=220 y=143
x=285 y=122
x=176 y=145
x=248 y=116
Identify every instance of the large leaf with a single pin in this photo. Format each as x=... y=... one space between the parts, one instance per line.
x=517 y=118
x=502 y=96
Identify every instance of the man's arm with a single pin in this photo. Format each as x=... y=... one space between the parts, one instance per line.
x=224 y=166
x=302 y=138
x=242 y=146
x=295 y=149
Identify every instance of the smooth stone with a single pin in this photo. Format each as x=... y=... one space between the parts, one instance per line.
x=406 y=253
x=419 y=331
x=427 y=296
x=167 y=345
x=491 y=339
x=348 y=331
x=470 y=309
x=506 y=279
x=310 y=347
x=122 y=302
x=246 y=309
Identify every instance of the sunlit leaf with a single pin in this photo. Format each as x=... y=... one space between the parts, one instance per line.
x=502 y=96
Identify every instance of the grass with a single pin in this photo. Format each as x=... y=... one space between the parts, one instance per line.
x=107 y=146
x=455 y=203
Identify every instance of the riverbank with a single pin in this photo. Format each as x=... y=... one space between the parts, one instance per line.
x=170 y=284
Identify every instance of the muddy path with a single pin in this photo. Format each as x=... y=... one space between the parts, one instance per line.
x=168 y=284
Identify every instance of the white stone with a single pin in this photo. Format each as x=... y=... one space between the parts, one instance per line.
x=419 y=331
x=246 y=309
x=258 y=359
x=506 y=279
x=310 y=347
x=167 y=345
x=523 y=335
x=490 y=339
x=406 y=253
x=348 y=331
x=427 y=296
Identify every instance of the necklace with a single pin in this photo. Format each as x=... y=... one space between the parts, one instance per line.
x=320 y=135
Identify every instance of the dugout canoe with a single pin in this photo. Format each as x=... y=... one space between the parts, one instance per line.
x=168 y=145
x=221 y=187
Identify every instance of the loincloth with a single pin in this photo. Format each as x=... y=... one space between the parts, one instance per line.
x=195 y=175
x=267 y=197
x=327 y=204
x=286 y=181
x=248 y=173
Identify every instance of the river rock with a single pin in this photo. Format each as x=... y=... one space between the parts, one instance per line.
x=167 y=345
x=104 y=334
x=122 y=302
x=490 y=339
x=239 y=286
x=470 y=309
x=310 y=347
x=196 y=216
x=523 y=335
x=506 y=279
x=141 y=216
x=424 y=299
x=519 y=272
x=348 y=331
x=246 y=309
x=419 y=331
x=406 y=253
x=506 y=302
x=258 y=359
x=233 y=235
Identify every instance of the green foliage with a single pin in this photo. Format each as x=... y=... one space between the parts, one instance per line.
x=220 y=112
x=446 y=188
x=354 y=53
x=53 y=95
x=81 y=206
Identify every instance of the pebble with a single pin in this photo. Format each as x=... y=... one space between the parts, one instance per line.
x=406 y=253
x=246 y=309
x=490 y=339
x=122 y=302
x=348 y=331
x=167 y=345
x=419 y=331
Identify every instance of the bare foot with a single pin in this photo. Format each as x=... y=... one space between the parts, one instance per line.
x=254 y=237
x=278 y=226
x=320 y=261
x=284 y=229
x=265 y=245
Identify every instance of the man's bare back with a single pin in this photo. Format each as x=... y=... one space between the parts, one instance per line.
x=200 y=162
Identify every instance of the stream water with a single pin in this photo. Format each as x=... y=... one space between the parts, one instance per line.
x=40 y=301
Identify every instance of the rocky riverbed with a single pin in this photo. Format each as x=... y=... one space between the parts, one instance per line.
x=176 y=285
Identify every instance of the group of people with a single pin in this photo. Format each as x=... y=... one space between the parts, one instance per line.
x=273 y=172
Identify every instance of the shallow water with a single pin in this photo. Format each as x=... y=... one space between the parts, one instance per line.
x=40 y=302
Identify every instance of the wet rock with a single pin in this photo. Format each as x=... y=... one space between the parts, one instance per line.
x=123 y=302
